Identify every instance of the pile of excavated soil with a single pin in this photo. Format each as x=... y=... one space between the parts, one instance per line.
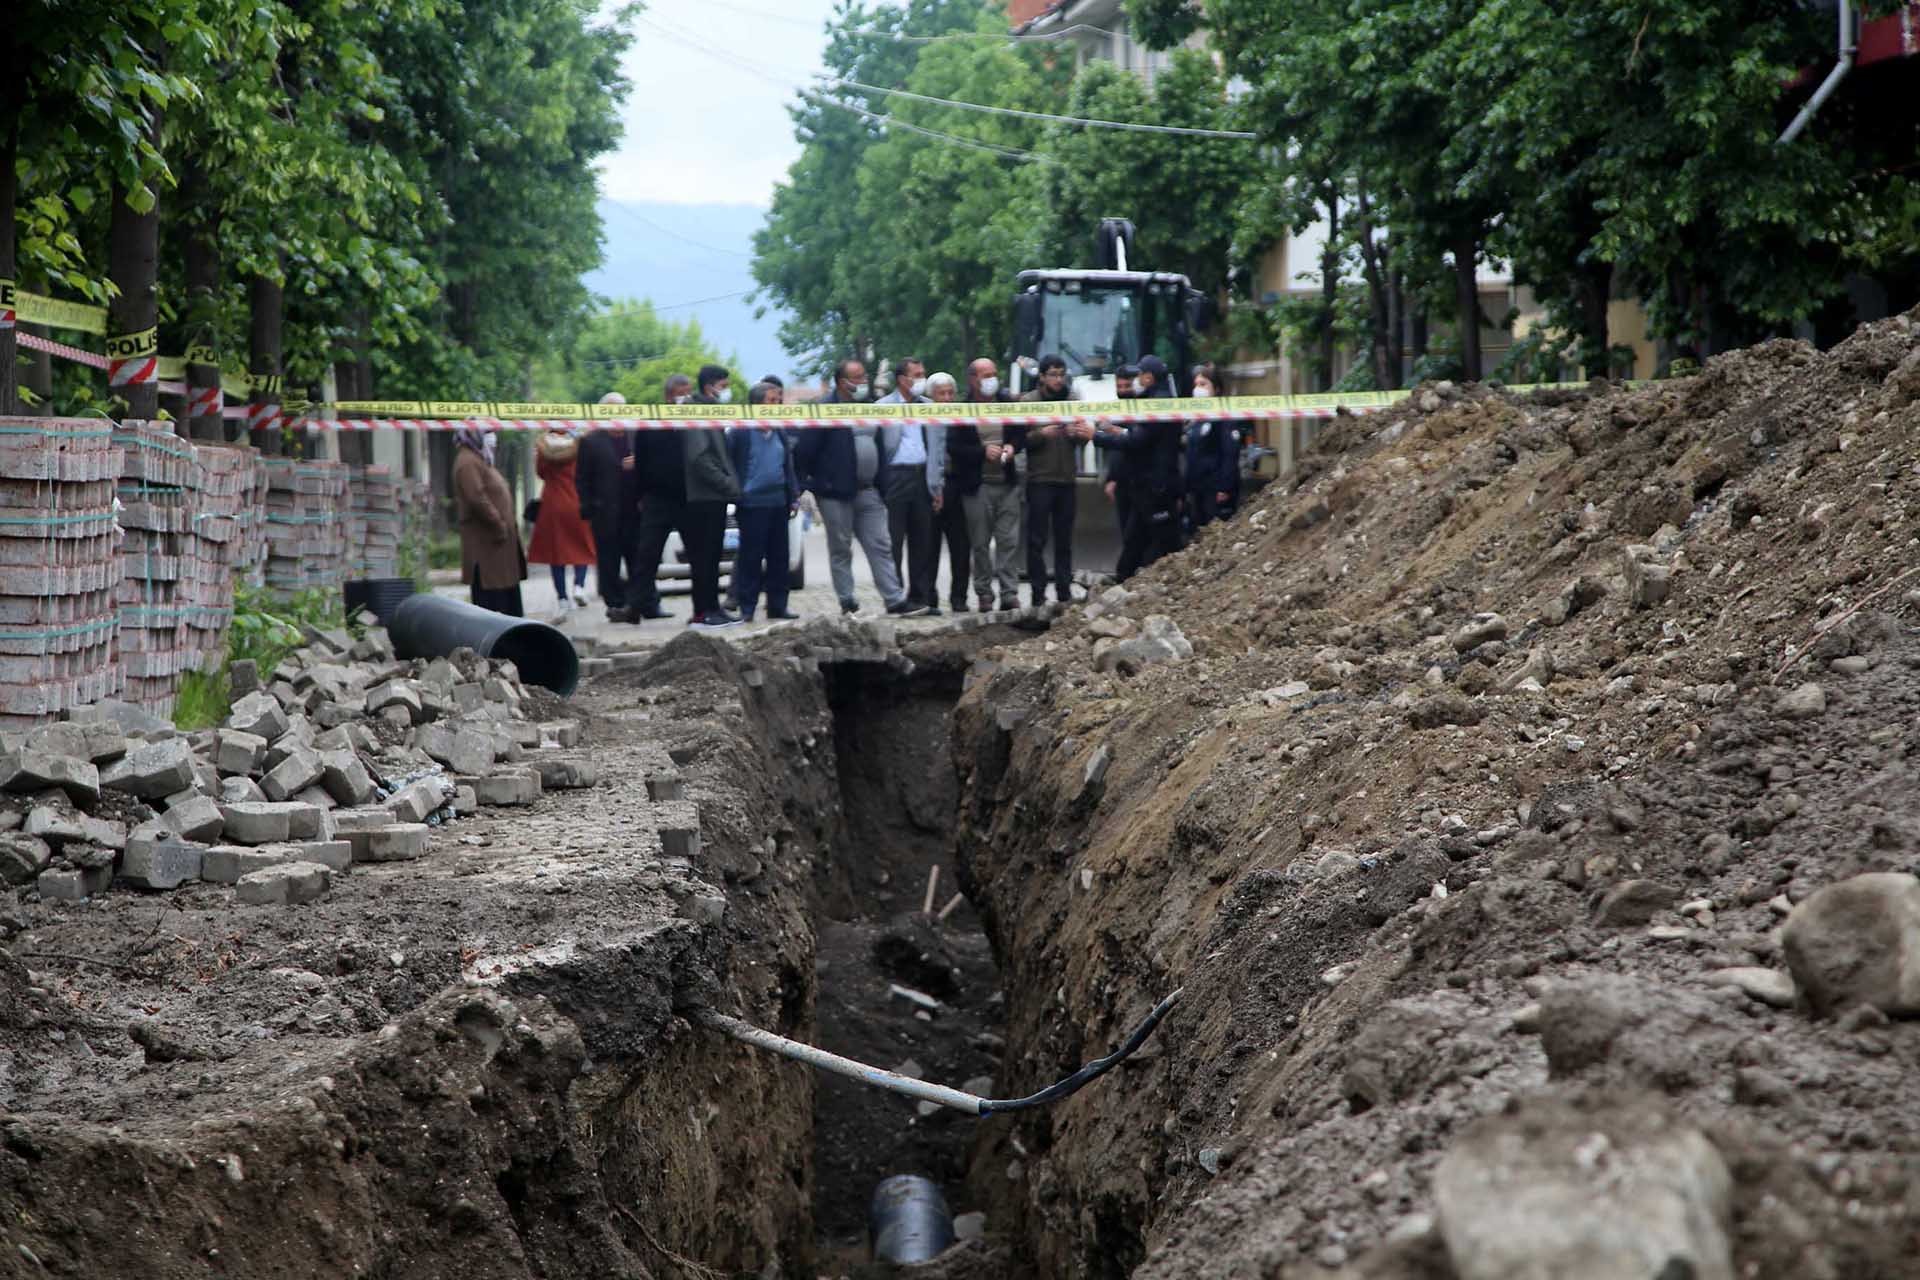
x=1510 y=733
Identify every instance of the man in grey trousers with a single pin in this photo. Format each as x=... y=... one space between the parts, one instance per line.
x=845 y=469
x=995 y=530
x=915 y=454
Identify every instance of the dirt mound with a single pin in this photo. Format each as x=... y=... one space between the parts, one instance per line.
x=1510 y=731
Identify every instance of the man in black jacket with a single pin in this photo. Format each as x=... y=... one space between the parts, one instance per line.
x=1152 y=476
x=610 y=502
x=1119 y=493
x=660 y=470
x=845 y=469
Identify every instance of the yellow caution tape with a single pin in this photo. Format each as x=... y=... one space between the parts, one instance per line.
x=544 y=411
x=134 y=346
x=32 y=308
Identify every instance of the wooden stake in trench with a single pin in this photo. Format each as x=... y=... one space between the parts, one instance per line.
x=933 y=883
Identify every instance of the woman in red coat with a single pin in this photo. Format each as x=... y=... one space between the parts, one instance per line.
x=560 y=536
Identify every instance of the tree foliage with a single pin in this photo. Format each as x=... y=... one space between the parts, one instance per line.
x=630 y=348
x=418 y=174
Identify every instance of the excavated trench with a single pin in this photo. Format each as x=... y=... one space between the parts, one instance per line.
x=898 y=986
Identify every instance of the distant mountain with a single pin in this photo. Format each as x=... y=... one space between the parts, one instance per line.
x=679 y=254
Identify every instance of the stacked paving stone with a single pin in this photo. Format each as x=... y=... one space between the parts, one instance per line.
x=59 y=567
x=218 y=488
x=298 y=786
x=251 y=559
x=159 y=477
x=376 y=523
x=306 y=521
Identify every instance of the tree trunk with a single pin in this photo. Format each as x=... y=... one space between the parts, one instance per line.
x=266 y=299
x=1330 y=292
x=1418 y=325
x=1371 y=269
x=1596 y=285
x=201 y=249
x=9 y=363
x=1396 y=324
x=1466 y=292
x=133 y=343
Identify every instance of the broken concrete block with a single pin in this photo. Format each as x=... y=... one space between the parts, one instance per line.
x=238 y=752
x=468 y=697
x=56 y=826
x=104 y=832
x=1648 y=582
x=465 y=801
x=1858 y=942
x=58 y=739
x=345 y=778
x=227 y=863
x=362 y=818
x=290 y=883
x=255 y=823
x=316 y=796
x=395 y=842
x=260 y=715
x=507 y=788
x=105 y=743
x=22 y=858
x=1160 y=640
x=240 y=791
x=565 y=775
x=1483 y=627
x=564 y=733
x=63 y=885
x=395 y=693
x=243 y=677
x=414 y=802
x=152 y=771
x=335 y=855
x=197 y=819
x=1604 y=1194
x=680 y=842
x=30 y=770
x=151 y=863
x=664 y=787
x=300 y=770
x=463 y=750
x=307 y=822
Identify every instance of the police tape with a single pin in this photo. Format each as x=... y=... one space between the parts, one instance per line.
x=694 y=417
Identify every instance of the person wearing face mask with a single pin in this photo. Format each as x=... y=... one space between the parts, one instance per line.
x=845 y=471
x=1152 y=450
x=1213 y=464
x=711 y=485
x=1052 y=469
x=915 y=454
x=994 y=521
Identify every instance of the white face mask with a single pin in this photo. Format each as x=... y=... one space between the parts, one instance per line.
x=989 y=387
x=1200 y=394
x=859 y=390
x=679 y=399
x=905 y=387
x=723 y=396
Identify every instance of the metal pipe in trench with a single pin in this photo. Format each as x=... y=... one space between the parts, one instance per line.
x=880 y=1078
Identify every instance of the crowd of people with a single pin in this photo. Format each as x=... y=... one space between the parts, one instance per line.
x=996 y=497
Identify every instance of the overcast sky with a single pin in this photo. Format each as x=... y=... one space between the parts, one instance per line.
x=705 y=129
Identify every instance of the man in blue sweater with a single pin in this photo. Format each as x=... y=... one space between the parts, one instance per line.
x=769 y=495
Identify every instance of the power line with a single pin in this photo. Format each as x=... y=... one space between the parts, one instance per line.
x=758 y=69
x=901 y=37
x=1185 y=131
x=669 y=231
x=718 y=297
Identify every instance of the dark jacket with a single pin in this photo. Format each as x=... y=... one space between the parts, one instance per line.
x=660 y=463
x=1051 y=459
x=1152 y=451
x=607 y=490
x=824 y=459
x=966 y=459
x=739 y=446
x=1213 y=457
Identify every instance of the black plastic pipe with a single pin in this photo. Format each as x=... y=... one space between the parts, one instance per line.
x=429 y=626
x=909 y=1220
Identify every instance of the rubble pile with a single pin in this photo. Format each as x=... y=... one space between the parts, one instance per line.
x=59 y=567
x=376 y=523
x=306 y=521
x=1524 y=796
x=340 y=755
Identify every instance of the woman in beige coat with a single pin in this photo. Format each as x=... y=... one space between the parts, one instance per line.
x=492 y=562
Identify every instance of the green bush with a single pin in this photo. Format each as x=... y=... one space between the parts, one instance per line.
x=265 y=629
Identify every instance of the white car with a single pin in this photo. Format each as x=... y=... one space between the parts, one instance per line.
x=676 y=575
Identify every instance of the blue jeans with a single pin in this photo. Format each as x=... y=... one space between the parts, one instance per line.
x=763 y=558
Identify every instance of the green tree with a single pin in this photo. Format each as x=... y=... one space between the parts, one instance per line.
x=626 y=347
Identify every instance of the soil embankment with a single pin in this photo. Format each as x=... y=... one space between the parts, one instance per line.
x=1510 y=733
